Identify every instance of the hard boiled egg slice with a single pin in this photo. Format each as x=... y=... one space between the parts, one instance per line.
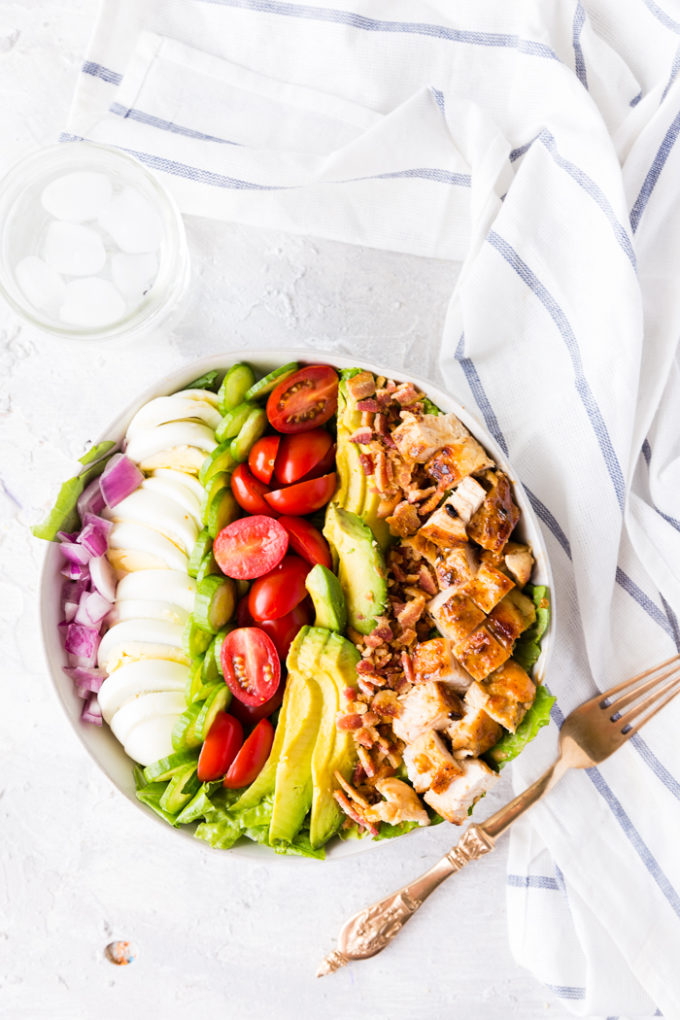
x=145 y=706
x=185 y=459
x=149 y=442
x=181 y=478
x=141 y=639
x=144 y=676
x=172 y=586
x=147 y=609
x=207 y=395
x=174 y=408
x=159 y=513
x=135 y=547
x=168 y=488
x=151 y=739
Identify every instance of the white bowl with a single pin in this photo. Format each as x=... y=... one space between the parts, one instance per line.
x=99 y=741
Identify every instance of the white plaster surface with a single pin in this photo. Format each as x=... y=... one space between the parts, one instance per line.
x=214 y=934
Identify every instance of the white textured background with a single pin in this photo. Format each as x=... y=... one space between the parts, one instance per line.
x=80 y=866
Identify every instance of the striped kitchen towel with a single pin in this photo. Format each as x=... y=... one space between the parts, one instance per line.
x=535 y=144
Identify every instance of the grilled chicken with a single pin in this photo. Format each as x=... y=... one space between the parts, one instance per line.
x=427 y=706
x=432 y=660
x=404 y=520
x=474 y=734
x=456 y=461
x=453 y=803
x=488 y=586
x=493 y=523
x=467 y=498
x=519 y=562
x=505 y=696
x=455 y=615
x=457 y=566
x=401 y=804
x=418 y=438
x=511 y=617
x=429 y=764
x=444 y=527
x=480 y=653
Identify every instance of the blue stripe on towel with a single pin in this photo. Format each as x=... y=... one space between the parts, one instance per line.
x=566 y=332
x=661 y=16
x=654 y=172
x=567 y=991
x=99 y=71
x=579 y=62
x=164 y=125
x=533 y=882
x=495 y=39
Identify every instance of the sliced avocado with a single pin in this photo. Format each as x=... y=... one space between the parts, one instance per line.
x=361 y=567
x=293 y=789
x=335 y=750
x=329 y=602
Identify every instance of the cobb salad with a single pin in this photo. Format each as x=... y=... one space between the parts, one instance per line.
x=301 y=604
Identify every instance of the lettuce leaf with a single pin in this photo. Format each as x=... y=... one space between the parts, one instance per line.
x=512 y=744
x=64 y=514
x=528 y=648
x=208 y=381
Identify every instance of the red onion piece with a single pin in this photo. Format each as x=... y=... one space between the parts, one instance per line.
x=87 y=681
x=82 y=641
x=92 y=609
x=120 y=477
x=76 y=572
x=94 y=535
x=103 y=578
x=91 y=712
x=66 y=536
x=75 y=553
x=90 y=500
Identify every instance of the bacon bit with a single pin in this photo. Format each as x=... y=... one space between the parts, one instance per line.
x=363 y=435
x=407 y=663
x=349 y=790
x=365 y=688
x=371 y=719
x=431 y=504
x=389 y=442
x=380 y=424
x=387 y=505
x=368 y=766
x=386 y=705
x=412 y=611
x=374 y=640
x=366 y=736
x=367 y=465
x=349 y=722
x=358 y=774
x=404 y=521
x=364 y=666
x=406 y=638
x=367 y=420
x=350 y=692
x=355 y=637
x=415 y=495
x=361 y=386
x=383 y=630
x=353 y=813
x=427 y=581
x=367 y=405
x=382 y=481
x=394 y=759
x=406 y=394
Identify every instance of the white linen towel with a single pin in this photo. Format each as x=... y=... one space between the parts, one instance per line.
x=534 y=143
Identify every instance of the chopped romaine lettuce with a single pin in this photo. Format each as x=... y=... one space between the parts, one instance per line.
x=512 y=744
x=429 y=407
x=208 y=381
x=528 y=648
x=64 y=514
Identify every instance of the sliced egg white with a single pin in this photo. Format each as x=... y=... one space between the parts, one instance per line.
x=141 y=639
x=206 y=395
x=151 y=739
x=143 y=707
x=149 y=442
x=144 y=676
x=174 y=408
x=147 y=609
x=185 y=459
x=159 y=513
x=142 y=548
x=169 y=489
x=180 y=478
x=174 y=586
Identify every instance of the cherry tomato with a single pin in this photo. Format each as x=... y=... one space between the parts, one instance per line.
x=300 y=453
x=283 y=630
x=251 y=714
x=250 y=665
x=243 y=617
x=248 y=763
x=307 y=541
x=220 y=747
x=325 y=465
x=249 y=492
x=250 y=547
x=304 y=497
x=279 y=591
x=304 y=400
x=262 y=458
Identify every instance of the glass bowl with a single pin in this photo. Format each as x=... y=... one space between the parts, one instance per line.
x=56 y=229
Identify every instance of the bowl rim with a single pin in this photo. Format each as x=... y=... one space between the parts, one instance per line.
x=266 y=360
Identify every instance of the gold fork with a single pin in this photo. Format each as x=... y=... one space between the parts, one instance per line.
x=588 y=735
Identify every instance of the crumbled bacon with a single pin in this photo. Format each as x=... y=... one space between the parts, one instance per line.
x=407 y=663
x=427 y=581
x=362 y=435
x=367 y=465
x=416 y=495
x=370 y=404
x=380 y=424
x=406 y=394
x=352 y=813
x=404 y=521
x=412 y=611
x=354 y=721
x=366 y=762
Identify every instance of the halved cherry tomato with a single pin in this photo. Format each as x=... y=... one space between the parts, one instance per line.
x=251 y=714
x=243 y=617
x=307 y=541
x=283 y=630
x=262 y=458
x=250 y=547
x=248 y=763
x=304 y=400
x=220 y=747
x=299 y=454
x=250 y=665
x=326 y=464
x=304 y=497
x=249 y=492
x=279 y=591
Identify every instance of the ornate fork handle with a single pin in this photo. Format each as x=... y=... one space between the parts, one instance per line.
x=369 y=931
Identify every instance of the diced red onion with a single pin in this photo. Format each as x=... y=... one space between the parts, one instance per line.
x=76 y=572
x=120 y=477
x=90 y=500
x=93 y=537
x=67 y=536
x=75 y=553
x=91 y=712
x=103 y=578
x=92 y=609
x=82 y=641
x=87 y=680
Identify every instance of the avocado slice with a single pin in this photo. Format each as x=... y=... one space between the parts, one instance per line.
x=361 y=567
x=329 y=602
x=355 y=491
x=334 y=749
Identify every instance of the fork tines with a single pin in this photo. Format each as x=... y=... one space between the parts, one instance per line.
x=656 y=682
